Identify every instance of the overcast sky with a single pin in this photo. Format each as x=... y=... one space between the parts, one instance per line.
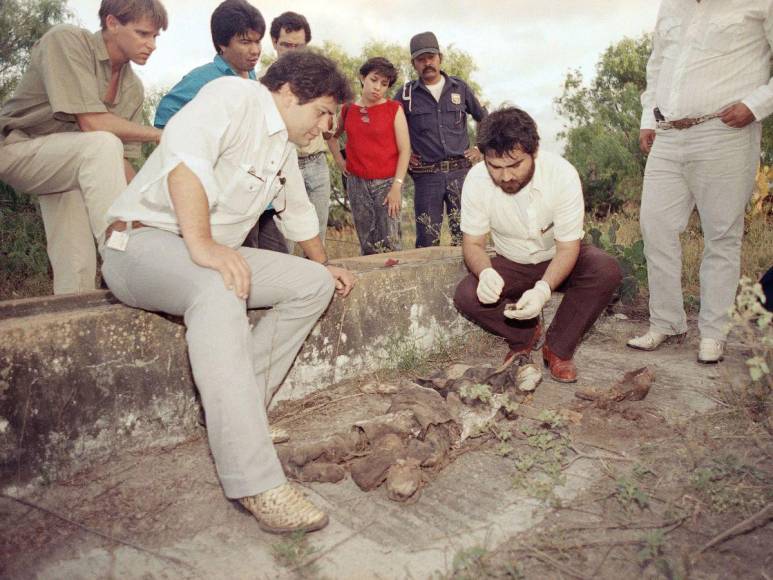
x=523 y=48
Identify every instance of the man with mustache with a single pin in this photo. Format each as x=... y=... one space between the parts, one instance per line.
x=237 y=29
x=175 y=246
x=72 y=125
x=531 y=204
x=436 y=106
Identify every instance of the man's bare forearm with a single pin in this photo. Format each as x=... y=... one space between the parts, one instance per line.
x=562 y=263
x=475 y=255
x=190 y=205
x=123 y=129
x=314 y=250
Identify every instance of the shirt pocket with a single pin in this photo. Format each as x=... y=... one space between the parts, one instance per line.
x=727 y=33
x=242 y=188
x=454 y=117
x=669 y=30
x=547 y=237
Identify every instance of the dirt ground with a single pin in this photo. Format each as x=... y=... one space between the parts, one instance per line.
x=678 y=485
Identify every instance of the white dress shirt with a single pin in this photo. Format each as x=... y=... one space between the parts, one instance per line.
x=525 y=226
x=232 y=137
x=707 y=55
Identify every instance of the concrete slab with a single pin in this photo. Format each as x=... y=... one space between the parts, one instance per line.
x=170 y=502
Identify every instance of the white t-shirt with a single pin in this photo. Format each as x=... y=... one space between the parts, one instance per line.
x=525 y=226
x=237 y=146
x=437 y=89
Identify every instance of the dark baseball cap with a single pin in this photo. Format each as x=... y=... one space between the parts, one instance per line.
x=424 y=42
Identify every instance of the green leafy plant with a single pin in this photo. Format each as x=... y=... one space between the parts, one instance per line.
x=631 y=259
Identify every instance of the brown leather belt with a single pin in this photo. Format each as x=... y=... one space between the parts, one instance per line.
x=120 y=226
x=444 y=166
x=686 y=123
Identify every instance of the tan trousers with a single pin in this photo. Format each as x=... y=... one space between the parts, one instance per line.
x=76 y=177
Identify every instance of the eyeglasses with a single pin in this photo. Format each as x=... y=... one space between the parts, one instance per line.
x=364 y=113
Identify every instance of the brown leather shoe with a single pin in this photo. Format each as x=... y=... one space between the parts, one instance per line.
x=561 y=370
x=526 y=349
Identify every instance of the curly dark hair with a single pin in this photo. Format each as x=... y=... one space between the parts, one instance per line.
x=234 y=18
x=506 y=129
x=382 y=66
x=290 y=21
x=310 y=76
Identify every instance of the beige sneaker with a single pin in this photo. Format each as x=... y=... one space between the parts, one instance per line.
x=278 y=434
x=710 y=351
x=283 y=510
x=652 y=339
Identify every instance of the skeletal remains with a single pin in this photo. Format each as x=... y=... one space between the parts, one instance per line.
x=425 y=423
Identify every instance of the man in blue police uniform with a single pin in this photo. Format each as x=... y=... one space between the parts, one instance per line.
x=237 y=32
x=436 y=106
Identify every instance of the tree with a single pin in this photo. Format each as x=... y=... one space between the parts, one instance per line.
x=22 y=23
x=602 y=130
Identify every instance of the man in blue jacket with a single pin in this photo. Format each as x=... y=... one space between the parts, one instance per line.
x=436 y=106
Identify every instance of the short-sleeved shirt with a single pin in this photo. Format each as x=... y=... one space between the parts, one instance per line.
x=525 y=226
x=232 y=137
x=190 y=85
x=69 y=74
x=438 y=129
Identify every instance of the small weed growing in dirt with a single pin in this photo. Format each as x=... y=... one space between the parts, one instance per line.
x=468 y=564
x=728 y=484
x=503 y=435
x=404 y=354
x=476 y=392
x=541 y=468
x=293 y=551
x=628 y=493
x=653 y=553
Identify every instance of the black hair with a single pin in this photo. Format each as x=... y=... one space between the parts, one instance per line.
x=382 y=66
x=310 y=76
x=290 y=21
x=506 y=129
x=234 y=18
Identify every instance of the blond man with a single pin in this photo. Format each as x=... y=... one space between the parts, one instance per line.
x=73 y=123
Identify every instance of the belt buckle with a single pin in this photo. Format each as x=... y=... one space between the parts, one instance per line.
x=445 y=166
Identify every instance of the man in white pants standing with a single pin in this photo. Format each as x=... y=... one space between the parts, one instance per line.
x=708 y=88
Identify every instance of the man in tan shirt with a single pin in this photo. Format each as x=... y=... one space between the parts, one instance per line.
x=75 y=119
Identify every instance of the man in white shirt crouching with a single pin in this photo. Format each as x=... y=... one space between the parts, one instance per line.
x=531 y=203
x=175 y=245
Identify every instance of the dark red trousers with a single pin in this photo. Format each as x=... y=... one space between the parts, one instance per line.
x=587 y=291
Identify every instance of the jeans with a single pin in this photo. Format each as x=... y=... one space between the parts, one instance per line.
x=376 y=230
x=433 y=191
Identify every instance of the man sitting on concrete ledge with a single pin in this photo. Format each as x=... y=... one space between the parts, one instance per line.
x=175 y=246
x=531 y=202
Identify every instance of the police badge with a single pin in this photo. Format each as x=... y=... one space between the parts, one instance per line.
x=456 y=98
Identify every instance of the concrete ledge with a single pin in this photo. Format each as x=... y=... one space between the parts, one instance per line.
x=82 y=376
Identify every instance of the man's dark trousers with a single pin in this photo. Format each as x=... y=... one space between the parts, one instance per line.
x=587 y=291
x=433 y=191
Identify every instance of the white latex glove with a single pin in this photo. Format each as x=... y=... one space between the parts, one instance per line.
x=490 y=285
x=531 y=302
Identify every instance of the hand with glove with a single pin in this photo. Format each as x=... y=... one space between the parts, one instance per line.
x=531 y=302
x=490 y=285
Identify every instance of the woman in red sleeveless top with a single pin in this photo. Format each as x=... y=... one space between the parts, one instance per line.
x=377 y=152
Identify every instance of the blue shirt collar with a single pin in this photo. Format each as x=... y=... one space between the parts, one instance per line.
x=226 y=69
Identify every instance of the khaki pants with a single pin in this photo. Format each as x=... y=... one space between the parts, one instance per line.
x=711 y=167
x=76 y=177
x=237 y=368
